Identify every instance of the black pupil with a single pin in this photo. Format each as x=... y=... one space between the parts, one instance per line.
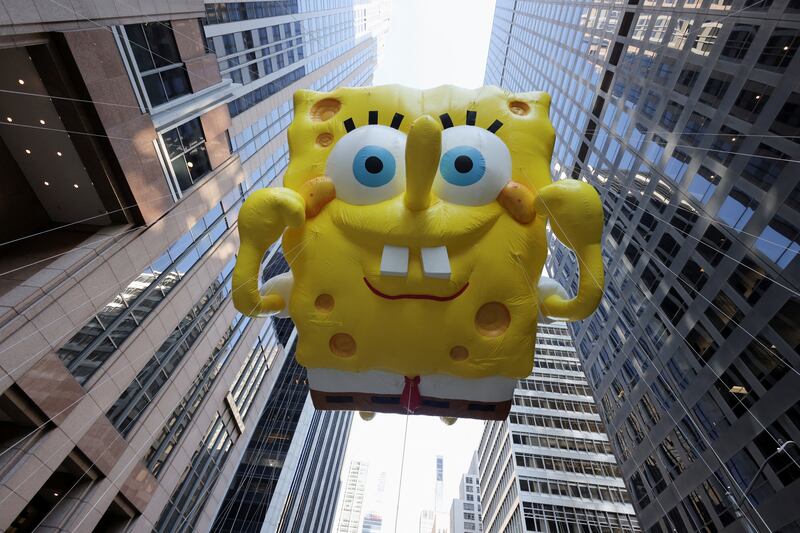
x=374 y=164
x=463 y=163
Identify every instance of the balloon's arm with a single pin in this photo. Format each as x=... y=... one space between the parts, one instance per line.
x=575 y=213
x=262 y=220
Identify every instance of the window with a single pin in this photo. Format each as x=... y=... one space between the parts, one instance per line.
x=673 y=306
x=646 y=226
x=187 y=153
x=715 y=88
x=779 y=241
x=764 y=166
x=218 y=13
x=632 y=253
x=710 y=415
x=694 y=275
x=685 y=218
x=667 y=249
x=706 y=37
x=100 y=337
x=756 y=5
x=196 y=481
x=780 y=49
x=179 y=421
x=701 y=343
x=724 y=145
x=651 y=276
x=788 y=120
x=617 y=233
x=650 y=104
x=737 y=209
x=676 y=165
x=156 y=373
x=641 y=27
x=681 y=369
x=713 y=245
x=723 y=314
x=158 y=62
x=255 y=96
x=703 y=185
x=751 y=100
x=686 y=80
x=765 y=365
x=671 y=114
x=695 y=126
x=739 y=41
x=680 y=33
x=749 y=280
x=653 y=153
x=659 y=28
x=786 y=323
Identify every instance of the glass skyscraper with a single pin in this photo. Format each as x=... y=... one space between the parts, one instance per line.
x=548 y=468
x=134 y=396
x=683 y=114
x=288 y=477
x=351 y=506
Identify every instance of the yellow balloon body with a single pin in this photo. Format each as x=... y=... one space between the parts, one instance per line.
x=480 y=319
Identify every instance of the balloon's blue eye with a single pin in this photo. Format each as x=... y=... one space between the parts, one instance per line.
x=374 y=166
x=462 y=165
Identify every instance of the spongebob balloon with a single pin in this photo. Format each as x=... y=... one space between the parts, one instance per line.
x=414 y=225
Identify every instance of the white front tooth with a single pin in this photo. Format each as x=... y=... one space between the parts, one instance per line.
x=394 y=261
x=436 y=262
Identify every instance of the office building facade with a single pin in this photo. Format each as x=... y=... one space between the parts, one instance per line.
x=427 y=519
x=131 y=388
x=684 y=117
x=375 y=505
x=121 y=353
x=269 y=50
x=373 y=523
x=352 y=504
x=436 y=520
x=465 y=511
x=549 y=467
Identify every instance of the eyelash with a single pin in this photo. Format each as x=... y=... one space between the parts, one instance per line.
x=447 y=122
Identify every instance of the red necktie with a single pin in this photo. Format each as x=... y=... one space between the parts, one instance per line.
x=411 y=398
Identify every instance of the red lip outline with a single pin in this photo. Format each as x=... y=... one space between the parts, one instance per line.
x=417 y=296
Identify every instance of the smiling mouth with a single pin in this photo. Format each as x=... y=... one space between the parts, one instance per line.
x=413 y=296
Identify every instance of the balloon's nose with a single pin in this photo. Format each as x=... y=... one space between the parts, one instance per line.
x=423 y=149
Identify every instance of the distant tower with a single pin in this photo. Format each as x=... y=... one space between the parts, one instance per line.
x=353 y=498
x=439 y=483
x=374 y=506
x=426 y=521
x=436 y=520
x=465 y=512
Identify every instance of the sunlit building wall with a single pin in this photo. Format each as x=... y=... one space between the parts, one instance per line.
x=352 y=503
x=549 y=468
x=287 y=479
x=465 y=511
x=128 y=379
x=131 y=389
x=684 y=117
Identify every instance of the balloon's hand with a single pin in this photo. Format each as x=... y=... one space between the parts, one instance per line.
x=262 y=220
x=575 y=214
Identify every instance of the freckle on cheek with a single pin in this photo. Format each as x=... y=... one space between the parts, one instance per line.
x=343 y=345
x=324 y=303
